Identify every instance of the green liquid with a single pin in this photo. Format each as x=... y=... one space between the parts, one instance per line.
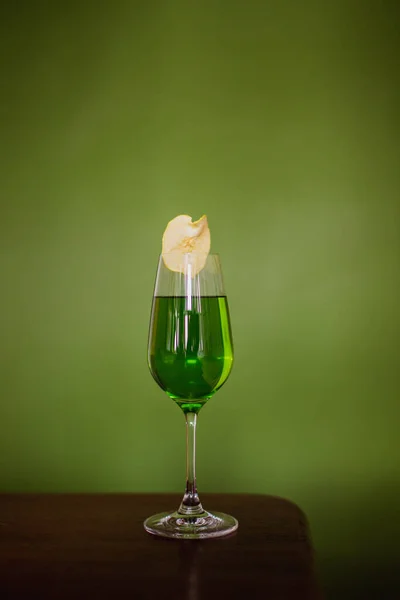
x=190 y=347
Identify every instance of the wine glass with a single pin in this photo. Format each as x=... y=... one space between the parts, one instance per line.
x=190 y=355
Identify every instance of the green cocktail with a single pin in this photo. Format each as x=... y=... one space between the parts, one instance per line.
x=190 y=355
x=190 y=350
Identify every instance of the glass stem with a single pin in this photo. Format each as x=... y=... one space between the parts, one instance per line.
x=191 y=504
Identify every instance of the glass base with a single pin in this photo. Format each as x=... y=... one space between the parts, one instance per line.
x=191 y=527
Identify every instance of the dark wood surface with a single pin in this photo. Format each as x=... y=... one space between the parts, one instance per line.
x=94 y=546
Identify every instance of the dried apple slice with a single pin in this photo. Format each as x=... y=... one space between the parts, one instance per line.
x=185 y=242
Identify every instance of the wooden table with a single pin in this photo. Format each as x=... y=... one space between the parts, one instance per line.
x=94 y=546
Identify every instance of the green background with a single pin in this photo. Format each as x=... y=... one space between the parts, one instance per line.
x=280 y=121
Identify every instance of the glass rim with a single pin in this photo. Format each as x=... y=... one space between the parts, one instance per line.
x=189 y=253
